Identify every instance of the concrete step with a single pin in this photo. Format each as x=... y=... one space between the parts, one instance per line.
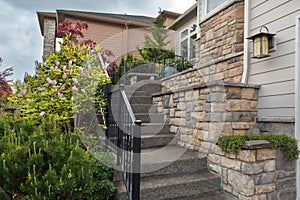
x=144 y=108
x=155 y=128
x=171 y=160
x=150 y=141
x=216 y=195
x=153 y=118
x=140 y=100
x=135 y=93
x=174 y=186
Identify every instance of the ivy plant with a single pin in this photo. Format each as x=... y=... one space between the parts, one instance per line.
x=286 y=144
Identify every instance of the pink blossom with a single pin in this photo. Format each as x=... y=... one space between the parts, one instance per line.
x=42 y=113
x=60 y=95
x=83 y=91
x=74 y=88
x=80 y=69
x=23 y=92
x=40 y=89
x=70 y=63
x=64 y=68
x=57 y=63
x=75 y=80
x=89 y=68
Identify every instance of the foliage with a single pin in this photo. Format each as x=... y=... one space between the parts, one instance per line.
x=63 y=85
x=74 y=31
x=287 y=145
x=156 y=44
x=5 y=89
x=38 y=162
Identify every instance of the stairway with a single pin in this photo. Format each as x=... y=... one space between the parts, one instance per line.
x=168 y=171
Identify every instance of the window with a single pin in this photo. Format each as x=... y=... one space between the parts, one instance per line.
x=213 y=4
x=187 y=42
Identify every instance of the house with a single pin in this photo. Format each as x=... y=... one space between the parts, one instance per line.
x=229 y=92
x=106 y=29
x=121 y=33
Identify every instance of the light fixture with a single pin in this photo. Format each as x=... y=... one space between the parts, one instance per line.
x=262 y=43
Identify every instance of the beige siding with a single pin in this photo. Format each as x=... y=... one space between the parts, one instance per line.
x=114 y=37
x=275 y=74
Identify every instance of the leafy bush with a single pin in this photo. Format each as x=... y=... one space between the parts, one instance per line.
x=5 y=89
x=39 y=162
x=286 y=144
x=63 y=85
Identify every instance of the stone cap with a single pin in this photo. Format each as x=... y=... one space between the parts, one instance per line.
x=256 y=144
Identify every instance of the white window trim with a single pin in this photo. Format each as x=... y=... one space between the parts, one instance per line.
x=297 y=98
x=188 y=37
x=205 y=16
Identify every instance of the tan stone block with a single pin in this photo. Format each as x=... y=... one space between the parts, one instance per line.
x=215 y=168
x=238 y=105
x=234 y=72
x=265 y=154
x=206 y=145
x=196 y=142
x=242 y=184
x=218 y=107
x=240 y=132
x=202 y=135
x=269 y=166
x=247 y=155
x=216 y=150
x=243 y=125
x=231 y=163
x=214 y=158
x=261 y=189
x=227 y=188
x=256 y=197
x=231 y=155
x=248 y=93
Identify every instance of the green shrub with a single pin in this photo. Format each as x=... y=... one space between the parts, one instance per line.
x=62 y=85
x=39 y=162
x=286 y=144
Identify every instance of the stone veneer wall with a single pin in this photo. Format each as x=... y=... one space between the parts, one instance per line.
x=255 y=173
x=49 y=36
x=221 y=35
x=199 y=115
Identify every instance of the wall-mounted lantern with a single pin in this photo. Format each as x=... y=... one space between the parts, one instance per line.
x=262 y=43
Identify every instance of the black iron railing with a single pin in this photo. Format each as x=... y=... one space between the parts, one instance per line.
x=167 y=65
x=123 y=135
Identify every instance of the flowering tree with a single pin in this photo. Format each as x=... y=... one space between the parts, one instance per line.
x=5 y=89
x=73 y=71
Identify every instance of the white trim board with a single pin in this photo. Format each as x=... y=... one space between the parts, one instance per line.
x=297 y=99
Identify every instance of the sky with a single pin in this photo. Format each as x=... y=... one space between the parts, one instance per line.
x=21 y=42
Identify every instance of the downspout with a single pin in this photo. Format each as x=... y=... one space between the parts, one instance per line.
x=246 y=65
x=297 y=99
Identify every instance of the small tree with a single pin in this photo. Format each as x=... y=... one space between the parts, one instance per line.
x=156 y=44
x=5 y=89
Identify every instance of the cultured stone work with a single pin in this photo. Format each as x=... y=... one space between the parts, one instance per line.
x=255 y=174
x=199 y=115
x=49 y=36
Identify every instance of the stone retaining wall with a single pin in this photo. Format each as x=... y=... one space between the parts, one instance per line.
x=255 y=173
x=199 y=115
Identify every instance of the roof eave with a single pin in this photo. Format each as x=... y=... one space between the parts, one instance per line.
x=41 y=18
x=183 y=17
x=62 y=13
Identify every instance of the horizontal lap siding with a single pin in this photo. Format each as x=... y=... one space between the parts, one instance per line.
x=275 y=74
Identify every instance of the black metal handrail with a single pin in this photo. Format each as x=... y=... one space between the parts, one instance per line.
x=124 y=137
x=176 y=63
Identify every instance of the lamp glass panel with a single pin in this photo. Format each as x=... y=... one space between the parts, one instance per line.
x=256 y=47
x=265 y=45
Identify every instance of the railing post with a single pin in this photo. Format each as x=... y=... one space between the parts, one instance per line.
x=136 y=160
x=108 y=94
x=120 y=126
x=164 y=66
